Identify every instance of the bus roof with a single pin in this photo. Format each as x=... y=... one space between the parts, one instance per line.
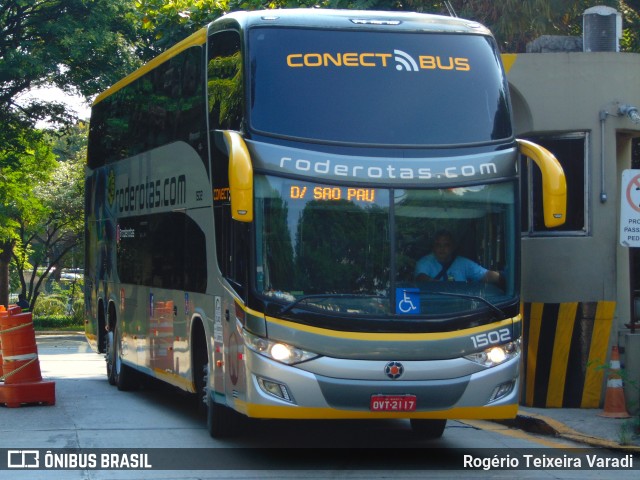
x=311 y=18
x=198 y=38
x=355 y=19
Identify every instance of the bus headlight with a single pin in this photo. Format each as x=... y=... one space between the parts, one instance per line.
x=496 y=354
x=279 y=351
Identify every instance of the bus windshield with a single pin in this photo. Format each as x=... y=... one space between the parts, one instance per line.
x=378 y=88
x=348 y=249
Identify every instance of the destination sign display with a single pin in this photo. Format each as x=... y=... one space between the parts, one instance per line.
x=327 y=192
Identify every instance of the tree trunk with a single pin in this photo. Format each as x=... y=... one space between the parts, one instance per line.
x=5 y=258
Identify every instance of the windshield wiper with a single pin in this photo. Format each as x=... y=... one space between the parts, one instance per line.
x=474 y=297
x=297 y=301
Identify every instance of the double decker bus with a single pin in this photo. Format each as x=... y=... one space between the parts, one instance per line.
x=258 y=196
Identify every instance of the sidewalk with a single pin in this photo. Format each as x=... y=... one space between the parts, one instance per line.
x=580 y=425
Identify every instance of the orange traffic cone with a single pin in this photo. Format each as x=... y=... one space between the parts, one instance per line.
x=23 y=382
x=614 y=403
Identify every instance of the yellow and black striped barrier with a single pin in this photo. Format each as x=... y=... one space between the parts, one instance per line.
x=565 y=353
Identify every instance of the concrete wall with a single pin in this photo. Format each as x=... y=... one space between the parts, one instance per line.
x=564 y=92
x=576 y=288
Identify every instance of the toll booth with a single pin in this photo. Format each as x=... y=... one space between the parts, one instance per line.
x=580 y=285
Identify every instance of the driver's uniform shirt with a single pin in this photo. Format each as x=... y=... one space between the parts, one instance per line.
x=461 y=269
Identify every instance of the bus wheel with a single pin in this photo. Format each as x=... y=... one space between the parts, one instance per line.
x=110 y=357
x=428 y=428
x=125 y=377
x=219 y=419
x=201 y=373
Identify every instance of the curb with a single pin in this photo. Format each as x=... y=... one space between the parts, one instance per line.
x=59 y=332
x=539 y=424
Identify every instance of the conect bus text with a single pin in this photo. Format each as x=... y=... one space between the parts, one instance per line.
x=167 y=192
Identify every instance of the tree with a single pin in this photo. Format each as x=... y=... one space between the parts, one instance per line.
x=47 y=235
x=78 y=45
x=514 y=22
x=18 y=203
x=162 y=24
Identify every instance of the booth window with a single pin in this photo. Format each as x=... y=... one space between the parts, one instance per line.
x=571 y=151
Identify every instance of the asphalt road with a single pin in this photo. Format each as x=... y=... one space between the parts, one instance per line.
x=161 y=427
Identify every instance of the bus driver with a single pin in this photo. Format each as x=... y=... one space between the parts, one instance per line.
x=443 y=265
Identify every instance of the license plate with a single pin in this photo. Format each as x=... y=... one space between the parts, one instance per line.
x=393 y=403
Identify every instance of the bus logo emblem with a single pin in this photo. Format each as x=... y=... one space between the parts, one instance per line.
x=405 y=61
x=394 y=370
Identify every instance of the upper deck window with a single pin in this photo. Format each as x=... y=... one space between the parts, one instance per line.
x=365 y=87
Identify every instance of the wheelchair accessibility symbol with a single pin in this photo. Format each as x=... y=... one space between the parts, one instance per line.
x=407 y=301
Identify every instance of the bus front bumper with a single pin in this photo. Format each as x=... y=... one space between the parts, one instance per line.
x=445 y=389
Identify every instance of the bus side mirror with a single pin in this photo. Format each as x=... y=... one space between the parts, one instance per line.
x=554 y=184
x=240 y=177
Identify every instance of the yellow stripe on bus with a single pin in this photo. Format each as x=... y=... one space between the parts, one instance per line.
x=174 y=379
x=398 y=337
x=194 y=40
x=325 y=413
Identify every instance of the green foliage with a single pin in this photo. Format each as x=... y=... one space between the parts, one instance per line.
x=19 y=171
x=43 y=208
x=50 y=305
x=517 y=22
x=630 y=41
x=65 y=300
x=368 y=4
x=334 y=238
x=84 y=46
x=162 y=24
x=225 y=88
x=57 y=322
x=77 y=45
x=630 y=428
x=80 y=46
x=513 y=22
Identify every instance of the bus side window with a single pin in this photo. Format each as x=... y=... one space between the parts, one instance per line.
x=224 y=81
x=225 y=95
x=232 y=247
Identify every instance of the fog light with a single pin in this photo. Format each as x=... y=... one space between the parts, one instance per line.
x=274 y=388
x=502 y=390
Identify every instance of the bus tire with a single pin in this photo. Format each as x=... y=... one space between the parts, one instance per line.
x=427 y=428
x=199 y=360
x=219 y=419
x=125 y=377
x=109 y=356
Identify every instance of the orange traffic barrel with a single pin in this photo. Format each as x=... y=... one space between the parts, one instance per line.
x=3 y=312
x=19 y=349
x=23 y=382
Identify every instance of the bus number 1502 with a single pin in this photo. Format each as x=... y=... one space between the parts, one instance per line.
x=491 y=338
